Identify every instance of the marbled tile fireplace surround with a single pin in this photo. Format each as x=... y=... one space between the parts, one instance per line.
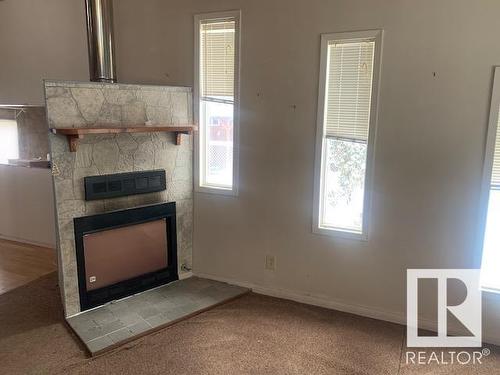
x=91 y=105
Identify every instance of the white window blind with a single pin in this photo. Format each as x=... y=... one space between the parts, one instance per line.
x=216 y=101
x=489 y=223
x=217 y=47
x=349 y=88
x=495 y=174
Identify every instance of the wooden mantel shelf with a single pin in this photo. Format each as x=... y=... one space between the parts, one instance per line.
x=73 y=134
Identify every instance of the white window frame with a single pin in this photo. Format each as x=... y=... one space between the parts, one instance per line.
x=489 y=155
x=198 y=19
x=377 y=36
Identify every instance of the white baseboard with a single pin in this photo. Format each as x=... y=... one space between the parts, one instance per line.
x=29 y=242
x=329 y=303
x=315 y=300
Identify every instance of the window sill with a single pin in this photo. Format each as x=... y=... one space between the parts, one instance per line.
x=490 y=292
x=216 y=191
x=340 y=234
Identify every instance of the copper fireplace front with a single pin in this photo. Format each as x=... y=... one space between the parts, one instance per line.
x=124 y=252
x=120 y=254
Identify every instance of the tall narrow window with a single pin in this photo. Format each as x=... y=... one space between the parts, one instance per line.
x=490 y=276
x=9 y=147
x=216 y=92
x=346 y=127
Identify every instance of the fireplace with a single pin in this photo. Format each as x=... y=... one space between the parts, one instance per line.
x=124 y=252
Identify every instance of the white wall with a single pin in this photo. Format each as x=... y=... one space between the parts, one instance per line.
x=429 y=146
x=430 y=141
x=27 y=205
x=38 y=40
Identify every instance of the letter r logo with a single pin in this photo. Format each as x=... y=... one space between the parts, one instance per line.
x=468 y=312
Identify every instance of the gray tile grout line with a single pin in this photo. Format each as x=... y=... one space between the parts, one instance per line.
x=128 y=326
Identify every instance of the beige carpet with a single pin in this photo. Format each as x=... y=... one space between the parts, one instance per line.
x=251 y=335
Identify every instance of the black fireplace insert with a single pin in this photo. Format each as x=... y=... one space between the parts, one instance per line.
x=121 y=253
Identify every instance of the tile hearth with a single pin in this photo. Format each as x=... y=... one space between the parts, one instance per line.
x=118 y=322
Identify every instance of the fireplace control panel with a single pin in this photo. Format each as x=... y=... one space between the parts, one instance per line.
x=122 y=184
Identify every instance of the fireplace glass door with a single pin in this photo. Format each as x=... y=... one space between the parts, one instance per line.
x=123 y=253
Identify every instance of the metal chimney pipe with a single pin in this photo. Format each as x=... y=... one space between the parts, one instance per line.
x=101 y=40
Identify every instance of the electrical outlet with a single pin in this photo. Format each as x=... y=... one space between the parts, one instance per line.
x=270 y=262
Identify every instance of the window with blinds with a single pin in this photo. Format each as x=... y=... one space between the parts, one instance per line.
x=216 y=88
x=217 y=59
x=342 y=191
x=349 y=89
x=495 y=174
x=490 y=209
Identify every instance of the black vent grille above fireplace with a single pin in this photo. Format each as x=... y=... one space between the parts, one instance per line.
x=121 y=184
